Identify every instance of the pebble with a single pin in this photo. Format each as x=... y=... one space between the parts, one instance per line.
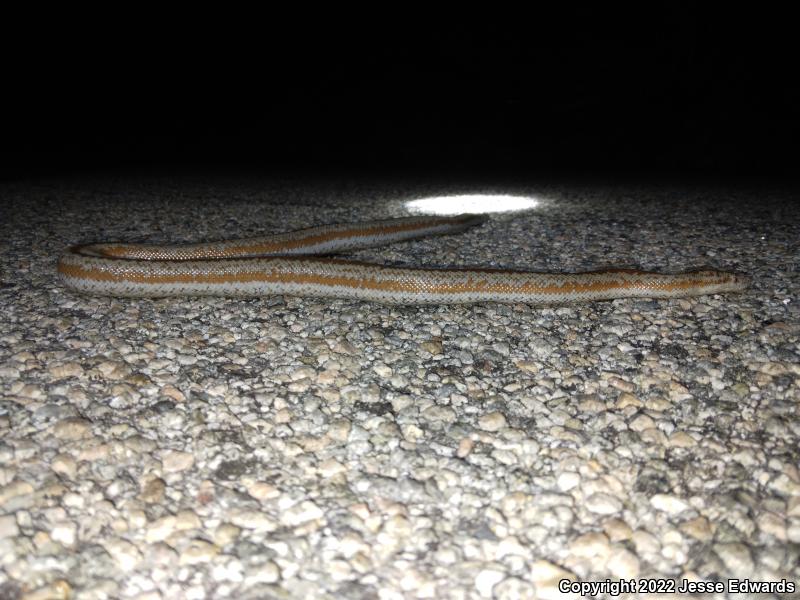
x=681 y=439
x=566 y=481
x=72 y=428
x=253 y=519
x=645 y=542
x=262 y=490
x=226 y=533
x=59 y=589
x=494 y=421
x=465 y=446
x=331 y=467
x=486 y=580
x=773 y=525
x=590 y=545
x=187 y=519
x=174 y=460
x=617 y=530
x=198 y=552
x=642 y=423
x=94 y=452
x=65 y=465
x=8 y=526
x=622 y=563
x=300 y=513
x=514 y=587
x=228 y=570
x=153 y=490
x=266 y=572
x=698 y=528
x=603 y=504
x=668 y=503
x=160 y=529
x=13 y=490
x=546 y=576
x=64 y=532
x=736 y=557
x=124 y=553
x=68 y=369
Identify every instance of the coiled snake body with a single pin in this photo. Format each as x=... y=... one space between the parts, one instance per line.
x=291 y=264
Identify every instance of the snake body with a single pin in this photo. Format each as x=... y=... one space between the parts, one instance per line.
x=294 y=264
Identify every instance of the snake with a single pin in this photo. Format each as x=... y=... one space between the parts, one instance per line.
x=299 y=264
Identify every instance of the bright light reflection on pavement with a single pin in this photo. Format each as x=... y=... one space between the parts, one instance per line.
x=470 y=203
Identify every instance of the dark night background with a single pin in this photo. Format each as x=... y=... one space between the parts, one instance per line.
x=670 y=90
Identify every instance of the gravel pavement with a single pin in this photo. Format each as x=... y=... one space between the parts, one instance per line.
x=300 y=448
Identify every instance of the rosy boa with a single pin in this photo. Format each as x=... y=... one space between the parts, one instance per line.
x=289 y=263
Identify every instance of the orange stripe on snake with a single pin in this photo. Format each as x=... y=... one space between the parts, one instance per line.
x=290 y=264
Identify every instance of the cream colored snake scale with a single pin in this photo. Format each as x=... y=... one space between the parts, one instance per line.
x=291 y=264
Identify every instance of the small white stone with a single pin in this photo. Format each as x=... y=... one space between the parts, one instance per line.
x=187 y=519
x=198 y=551
x=230 y=570
x=68 y=369
x=300 y=513
x=64 y=532
x=793 y=532
x=510 y=546
x=175 y=460
x=339 y=570
x=253 y=519
x=73 y=500
x=396 y=527
x=566 y=481
x=773 y=525
x=681 y=439
x=699 y=528
x=160 y=529
x=302 y=373
x=331 y=467
x=72 y=428
x=385 y=593
x=465 y=446
x=57 y=590
x=440 y=414
x=527 y=366
x=516 y=588
x=668 y=503
x=8 y=526
x=382 y=370
x=261 y=490
x=267 y=572
x=195 y=592
x=15 y=489
x=124 y=553
x=486 y=580
x=617 y=530
x=225 y=533
x=590 y=545
x=622 y=563
x=603 y=504
x=642 y=422
x=736 y=558
x=494 y=421
x=645 y=543
x=63 y=464
x=546 y=576
x=674 y=553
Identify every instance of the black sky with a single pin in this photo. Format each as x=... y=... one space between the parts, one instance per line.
x=670 y=89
